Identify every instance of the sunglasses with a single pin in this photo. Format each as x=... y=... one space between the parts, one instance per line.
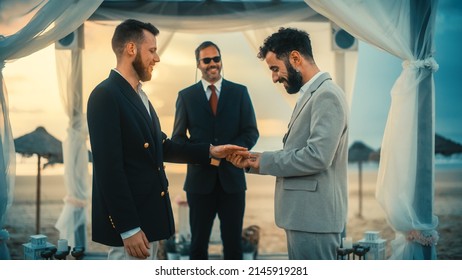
x=207 y=60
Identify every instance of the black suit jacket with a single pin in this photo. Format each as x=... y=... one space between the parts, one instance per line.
x=130 y=188
x=235 y=123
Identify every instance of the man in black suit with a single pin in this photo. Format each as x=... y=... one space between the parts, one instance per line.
x=131 y=207
x=218 y=111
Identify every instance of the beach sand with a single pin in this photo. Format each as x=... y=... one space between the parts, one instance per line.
x=20 y=220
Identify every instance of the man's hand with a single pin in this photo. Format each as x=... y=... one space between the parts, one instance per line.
x=245 y=159
x=137 y=245
x=223 y=151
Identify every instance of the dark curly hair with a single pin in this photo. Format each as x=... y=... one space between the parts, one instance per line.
x=286 y=40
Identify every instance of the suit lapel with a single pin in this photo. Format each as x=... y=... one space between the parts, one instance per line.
x=157 y=133
x=134 y=99
x=158 y=143
x=201 y=98
x=132 y=96
x=225 y=89
x=298 y=108
x=302 y=102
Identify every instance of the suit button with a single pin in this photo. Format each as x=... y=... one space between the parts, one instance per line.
x=146 y=145
x=162 y=194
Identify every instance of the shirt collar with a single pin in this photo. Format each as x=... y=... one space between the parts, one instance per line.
x=138 y=87
x=217 y=84
x=308 y=84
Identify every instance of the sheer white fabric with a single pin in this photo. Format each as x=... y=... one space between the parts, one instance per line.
x=7 y=167
x=386 y=24
x=50 y=21
x=72 y=221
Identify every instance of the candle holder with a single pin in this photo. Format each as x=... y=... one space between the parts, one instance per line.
x=78 y=253
x=360 y=251
x=344 y=253
x=48 y=253
x=62 y=255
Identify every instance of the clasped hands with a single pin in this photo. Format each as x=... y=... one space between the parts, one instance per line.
x=237 y=155
x=245 y=159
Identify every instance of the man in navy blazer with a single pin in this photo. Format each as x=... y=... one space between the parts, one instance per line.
x=131 y=207
x=213 y=190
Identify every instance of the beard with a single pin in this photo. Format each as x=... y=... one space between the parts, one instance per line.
x=211 y=77
x=142 y=71
x=294 y=79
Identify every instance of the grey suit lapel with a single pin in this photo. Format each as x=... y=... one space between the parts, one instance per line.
x=302 y=102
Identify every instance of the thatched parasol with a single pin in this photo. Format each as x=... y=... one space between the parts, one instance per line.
x=446 y=147
x=359 y=152
x=42 y=144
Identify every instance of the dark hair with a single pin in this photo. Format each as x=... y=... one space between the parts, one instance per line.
x=204 y=45
x=130 y=30
x=286 y=40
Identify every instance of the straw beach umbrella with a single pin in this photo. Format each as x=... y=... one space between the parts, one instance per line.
x=446 y=147
x=44 y=145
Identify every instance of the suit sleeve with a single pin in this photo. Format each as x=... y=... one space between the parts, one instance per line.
x=185 y=152
x=179 y=149
x=180 y=125
x=248 y=131
x=104 y=121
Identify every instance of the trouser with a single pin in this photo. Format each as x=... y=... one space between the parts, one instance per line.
x=312 y=246
x=202 y=211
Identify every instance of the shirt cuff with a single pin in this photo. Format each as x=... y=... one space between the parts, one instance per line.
x=214 y=161
x=130 y=233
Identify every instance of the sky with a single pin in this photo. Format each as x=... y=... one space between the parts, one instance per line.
x=377 y=72
x=34 y=99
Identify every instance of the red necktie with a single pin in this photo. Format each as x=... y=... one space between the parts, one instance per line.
x=213 y=100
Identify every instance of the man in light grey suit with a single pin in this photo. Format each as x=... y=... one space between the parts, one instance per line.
x=311 y=186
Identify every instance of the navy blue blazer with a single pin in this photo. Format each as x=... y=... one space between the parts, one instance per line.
x=234 y=123
x=130 y=188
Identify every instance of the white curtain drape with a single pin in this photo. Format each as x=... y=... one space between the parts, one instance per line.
x=395 y=27
x=72 y=221
x=231 y=21
x=50 y=21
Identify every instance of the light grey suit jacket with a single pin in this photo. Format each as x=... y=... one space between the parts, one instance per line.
x=311 y=169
